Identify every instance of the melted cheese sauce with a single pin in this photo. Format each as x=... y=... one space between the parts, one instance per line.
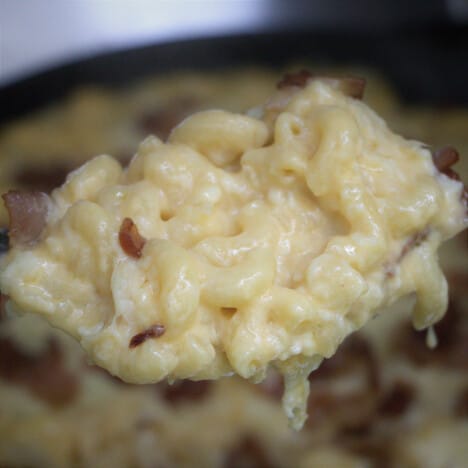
x=270 y=237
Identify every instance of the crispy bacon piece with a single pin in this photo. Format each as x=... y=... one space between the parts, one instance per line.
x=298 y=79
x=44 y=374
x=414 y=241
x=397 y=400
x=130 y=239
x=444 y=158
x=161 y=121
x=248 y=453
x=185 y=390
x=154 y=331
x=351 y=86
x=28 y=213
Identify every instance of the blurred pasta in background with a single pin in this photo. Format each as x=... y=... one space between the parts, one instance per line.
x=384 y=397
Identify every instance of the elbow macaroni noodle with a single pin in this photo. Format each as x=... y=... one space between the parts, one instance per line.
x=268 y=241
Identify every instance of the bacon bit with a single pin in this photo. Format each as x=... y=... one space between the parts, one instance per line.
x=4 y=241
x=186 y=390
x=28 y=213
x=298 y=79
x=452 y=175
x=44 y=178
x=414 y=241
x=351 y=86
x=444 y=158
x=247 y=453
x=161 y=121
x=152 y=332
x=44 y=375
x=228 y=312
x=397 y=401
x=131 y=241
x=461 y=406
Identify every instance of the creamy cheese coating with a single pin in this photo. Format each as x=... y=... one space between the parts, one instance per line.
x=269 y=238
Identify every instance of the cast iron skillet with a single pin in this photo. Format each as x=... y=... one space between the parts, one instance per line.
x=427 y=65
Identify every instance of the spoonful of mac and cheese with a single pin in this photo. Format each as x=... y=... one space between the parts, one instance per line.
x=246 y=241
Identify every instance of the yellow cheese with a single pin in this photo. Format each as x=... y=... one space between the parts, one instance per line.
x=269 y=238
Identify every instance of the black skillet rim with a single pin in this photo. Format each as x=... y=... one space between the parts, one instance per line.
x=426 y=64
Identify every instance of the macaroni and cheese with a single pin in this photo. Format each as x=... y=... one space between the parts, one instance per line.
x=244 y=242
